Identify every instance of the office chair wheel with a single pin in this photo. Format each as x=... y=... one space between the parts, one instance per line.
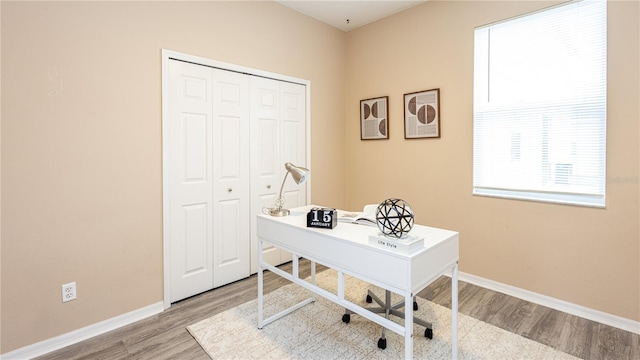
x=369 y=300
x=346 y=318
x=415 y=306
x=382 y=343
x=428 y=333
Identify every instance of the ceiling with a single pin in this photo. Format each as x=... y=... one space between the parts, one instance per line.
x=348 y=15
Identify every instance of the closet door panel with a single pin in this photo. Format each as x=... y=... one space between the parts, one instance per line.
x=231 y=169
x=266 y=159
x=293 y=152
x=265 y=170
x=230 y=255
x=265 y=123
x=293 y=143
x=266 y=154
x=190 y=180
x=293 y=138
x=270 y=253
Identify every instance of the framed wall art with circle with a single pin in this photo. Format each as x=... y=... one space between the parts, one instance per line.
x=422 y=114
x=374 y=118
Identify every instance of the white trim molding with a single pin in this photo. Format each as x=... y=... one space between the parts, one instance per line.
x=70 y=338
x=553 y=303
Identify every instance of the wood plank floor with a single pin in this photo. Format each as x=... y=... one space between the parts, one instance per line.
x=164 y=336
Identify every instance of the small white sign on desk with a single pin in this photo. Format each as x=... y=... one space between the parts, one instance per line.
x=405 y=245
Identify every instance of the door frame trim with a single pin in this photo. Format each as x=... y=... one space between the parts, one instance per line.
x=168 y=55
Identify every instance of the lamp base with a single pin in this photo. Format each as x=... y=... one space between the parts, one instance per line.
x=279 y=212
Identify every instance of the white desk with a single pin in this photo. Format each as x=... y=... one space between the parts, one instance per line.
x=346 y=249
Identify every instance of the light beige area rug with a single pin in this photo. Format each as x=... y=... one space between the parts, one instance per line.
x=316 y=331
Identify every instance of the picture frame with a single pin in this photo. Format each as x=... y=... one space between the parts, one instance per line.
x=374 y=118
x=422 y=114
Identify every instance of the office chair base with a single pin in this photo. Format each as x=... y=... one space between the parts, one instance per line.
x=369 y=300
x=386 y=308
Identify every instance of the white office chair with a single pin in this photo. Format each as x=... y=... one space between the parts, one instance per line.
x=386 y=307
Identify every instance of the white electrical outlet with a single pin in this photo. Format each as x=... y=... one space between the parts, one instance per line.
x=69 y=291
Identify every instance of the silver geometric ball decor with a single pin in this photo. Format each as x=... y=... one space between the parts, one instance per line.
x=394 y=218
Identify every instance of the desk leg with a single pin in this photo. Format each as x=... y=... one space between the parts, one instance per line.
x=260 y=286
x=408 y=325
x=454 y=312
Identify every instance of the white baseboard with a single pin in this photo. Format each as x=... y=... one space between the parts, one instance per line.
x=70 y=338
x=560 y=305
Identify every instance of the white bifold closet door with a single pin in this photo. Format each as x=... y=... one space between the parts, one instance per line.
x=229 y=136
x=278 y=133
x=209 y=174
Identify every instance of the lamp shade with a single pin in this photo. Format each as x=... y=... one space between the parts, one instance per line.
x=298 y=173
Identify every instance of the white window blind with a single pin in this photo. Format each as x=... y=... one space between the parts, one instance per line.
x=540 y=106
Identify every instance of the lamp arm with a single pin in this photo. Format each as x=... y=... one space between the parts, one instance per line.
x=280 y=200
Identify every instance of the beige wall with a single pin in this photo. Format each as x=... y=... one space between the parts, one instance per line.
x=81 y=142
x=585 y=256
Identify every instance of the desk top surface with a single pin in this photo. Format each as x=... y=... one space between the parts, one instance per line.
x=359 y=234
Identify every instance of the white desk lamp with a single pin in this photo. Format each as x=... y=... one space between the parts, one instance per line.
x=299 y=175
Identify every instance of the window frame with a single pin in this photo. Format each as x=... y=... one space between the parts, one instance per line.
x=556 y=192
